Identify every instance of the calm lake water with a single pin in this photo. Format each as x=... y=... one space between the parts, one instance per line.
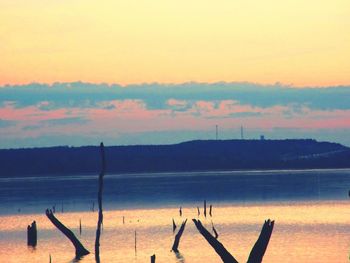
x=311 y=209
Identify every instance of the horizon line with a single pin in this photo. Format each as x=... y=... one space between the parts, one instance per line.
x=111 y=84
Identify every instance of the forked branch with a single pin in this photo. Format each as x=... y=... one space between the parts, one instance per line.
x=178 y=236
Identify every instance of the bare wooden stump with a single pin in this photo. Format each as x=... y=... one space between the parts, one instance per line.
x=32 y=235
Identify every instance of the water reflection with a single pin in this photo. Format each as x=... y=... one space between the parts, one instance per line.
x=179 y=257
x=306 y=232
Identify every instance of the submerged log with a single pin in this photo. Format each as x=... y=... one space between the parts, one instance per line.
x=178 y=236
x=32 y=234
x=218 y=247
x=257 y=252
x=80 y=250
x=100 y=212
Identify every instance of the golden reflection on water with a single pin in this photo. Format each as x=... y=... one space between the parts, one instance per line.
x=304 y=232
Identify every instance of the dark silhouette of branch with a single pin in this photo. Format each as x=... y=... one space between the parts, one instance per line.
x=218 y=247
x=80 y=250
x=178 y=236
x=210 y=208
x=174 y=226
x=258 y=251
x=198 y=211
x=205 y=208
x=214 y=230
x=153 y=259
x=100 y=212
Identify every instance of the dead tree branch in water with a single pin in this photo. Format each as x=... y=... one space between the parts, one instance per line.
x=257 y=252
x=218 y=247
x=100 y=212
x=178 y=236
x=80 y=250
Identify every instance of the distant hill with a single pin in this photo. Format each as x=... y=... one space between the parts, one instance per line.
x=188 y=156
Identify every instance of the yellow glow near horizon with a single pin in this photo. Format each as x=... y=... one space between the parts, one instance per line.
x=299 y=42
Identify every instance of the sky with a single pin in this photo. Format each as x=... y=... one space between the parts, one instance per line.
x=130 y=72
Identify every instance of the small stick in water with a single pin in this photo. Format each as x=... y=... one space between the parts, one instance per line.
x=180 y=211
x=174 y=226
x=214 y=230
x=210 y=207
x=153 y=259
x=205 y=208
x=135 y=244
x=80 y=226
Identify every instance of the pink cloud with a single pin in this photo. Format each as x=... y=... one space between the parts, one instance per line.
x=132 y=116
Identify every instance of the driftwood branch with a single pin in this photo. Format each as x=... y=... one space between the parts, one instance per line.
x=100 y=212
x=218 y=247
x=258 y=251
x=80 y=250
x=178 y=236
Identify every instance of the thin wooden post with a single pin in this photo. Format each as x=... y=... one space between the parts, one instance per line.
x=99 y=197
x=135 y=243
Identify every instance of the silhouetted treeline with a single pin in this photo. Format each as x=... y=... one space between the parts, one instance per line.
x=187 y=156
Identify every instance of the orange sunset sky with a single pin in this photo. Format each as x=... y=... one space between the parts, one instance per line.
x=304 y=43
x=76 y=72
